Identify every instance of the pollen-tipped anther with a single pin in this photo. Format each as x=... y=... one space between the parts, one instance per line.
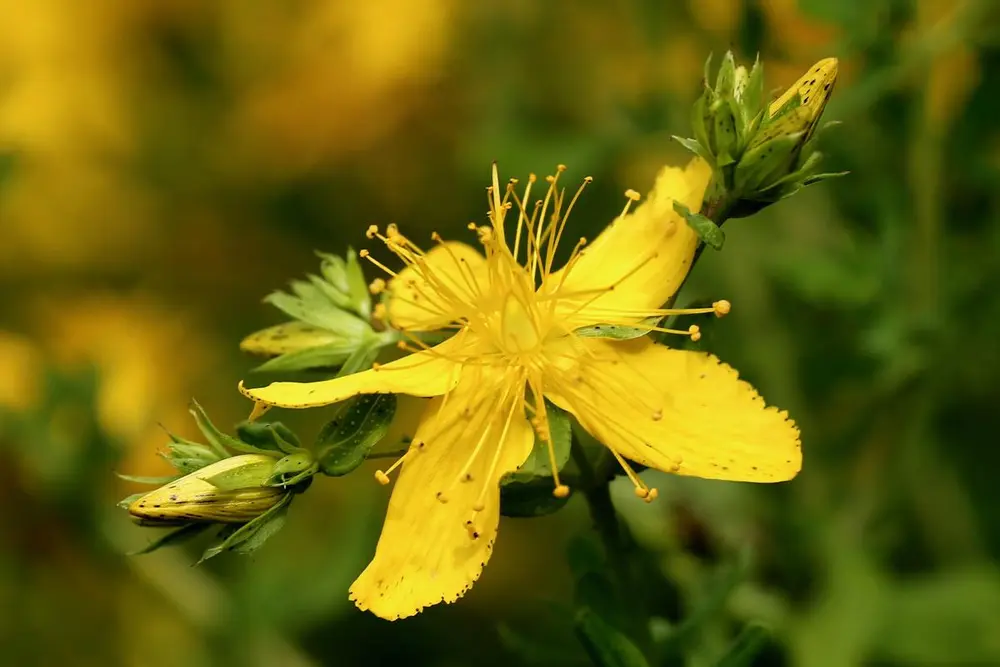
x=721 y=307
x=561 y=491
x=376 y=286
x=371 y=232
x=695 y=332
x=381 y=477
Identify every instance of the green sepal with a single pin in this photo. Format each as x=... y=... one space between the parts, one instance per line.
x=816 y=178
x=361 y=359
x=753 y=95
x=315 y=309
x=293 y=469
x=251 y=535
x=345 y=441
x=182 y=534
x=155 y=481
x=128 y=500
x=321 y=356
x=219 y=441
x=273 y=436
x=245 y=476
x=606 y=646
x=725 y=82
x=334 y=271
x=701 y=120
x=745 y=647
x=357 y=288
x=694 y=146
x=766 y=163
x=724 y=138
x=709 y=232
x=537 y=465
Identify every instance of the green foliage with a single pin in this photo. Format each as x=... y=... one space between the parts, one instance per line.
x=346 y=440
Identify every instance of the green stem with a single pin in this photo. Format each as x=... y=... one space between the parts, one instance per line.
x=595 y=485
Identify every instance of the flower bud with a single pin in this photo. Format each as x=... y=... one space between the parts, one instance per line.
x=229 y=491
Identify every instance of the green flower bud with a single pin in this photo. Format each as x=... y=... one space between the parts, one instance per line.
x=229 y=491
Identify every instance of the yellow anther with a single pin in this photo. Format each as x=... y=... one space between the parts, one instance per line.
x=376 y=366
x=632 y=194
x=381 y=477
x=392 y=230
x=402 y=345
x=695 y=332
x=641 y=492
x=588 y=179
x=721 y=307
x=436 y=237
x=376 y=286
x=363 y=253
x=379 y=312
x=561 y=168
x=372 y=231
x=561 y=491
x=472 y=226
x=652 y=495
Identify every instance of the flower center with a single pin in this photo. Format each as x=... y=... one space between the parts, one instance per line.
x=518 y=332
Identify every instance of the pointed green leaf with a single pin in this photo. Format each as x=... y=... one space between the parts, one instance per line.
x=753 y=95
x=334 y=271
x=701 y=120
x=173 y=537
x=612 y=331
x=361 y=359
x=724 y=137
x=606 y=646
x=709 y=232
x=361 y=422
x=324 y=356
x=726 y=80
x=220 y=441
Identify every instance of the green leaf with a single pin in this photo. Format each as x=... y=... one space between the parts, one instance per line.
x=745 y=647
x=530 y=499
x=700 y=122
x=612 y=331
x=173 y=537
x=606 y=646
x=322 y=356
x=361 y=359
x=325 y=315
x=538 y=465
x=334 y=271
x=346 y=440
x=293 y=469
x=709 y=232
x=155 y=481
x=713 y=599
x=724 y=136
x=726 y=80
x=251 y=536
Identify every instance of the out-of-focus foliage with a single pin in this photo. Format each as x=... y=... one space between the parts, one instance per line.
x=165 y=165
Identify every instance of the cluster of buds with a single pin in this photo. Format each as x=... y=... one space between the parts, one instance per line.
x=761 y=151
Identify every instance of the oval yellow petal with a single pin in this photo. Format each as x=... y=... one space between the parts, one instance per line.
x=679 y=411
x=432 y=551
x=640 y=260
x=427 y=373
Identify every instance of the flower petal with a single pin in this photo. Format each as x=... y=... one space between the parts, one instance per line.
x=457 y=272
x=428 y=373
x=427 y=554
x=680 y=411
x=645 y=255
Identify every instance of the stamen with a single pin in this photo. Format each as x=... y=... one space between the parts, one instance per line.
x=641 y=490
x=633 y=197
x=372 y=231
x=721 y=308
x=365 y=254
x=377 y=286
x=379 y=312
x=695 y=332
x=382 y=477
x=480 y=503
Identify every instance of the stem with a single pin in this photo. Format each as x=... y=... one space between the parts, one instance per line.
x=597 y=492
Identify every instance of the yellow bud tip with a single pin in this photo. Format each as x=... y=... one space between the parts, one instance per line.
x=381 y=477
x=561 y=491
x=652 y=495
x=372 y=231
x=363 y=253
x=641 y=492
x=722 y=307
x=633 y=195
x=695 y=332
x=478 y=507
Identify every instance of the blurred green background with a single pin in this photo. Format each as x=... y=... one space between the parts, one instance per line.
x=165 y=164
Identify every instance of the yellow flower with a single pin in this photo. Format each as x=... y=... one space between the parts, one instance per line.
x=514 y=345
